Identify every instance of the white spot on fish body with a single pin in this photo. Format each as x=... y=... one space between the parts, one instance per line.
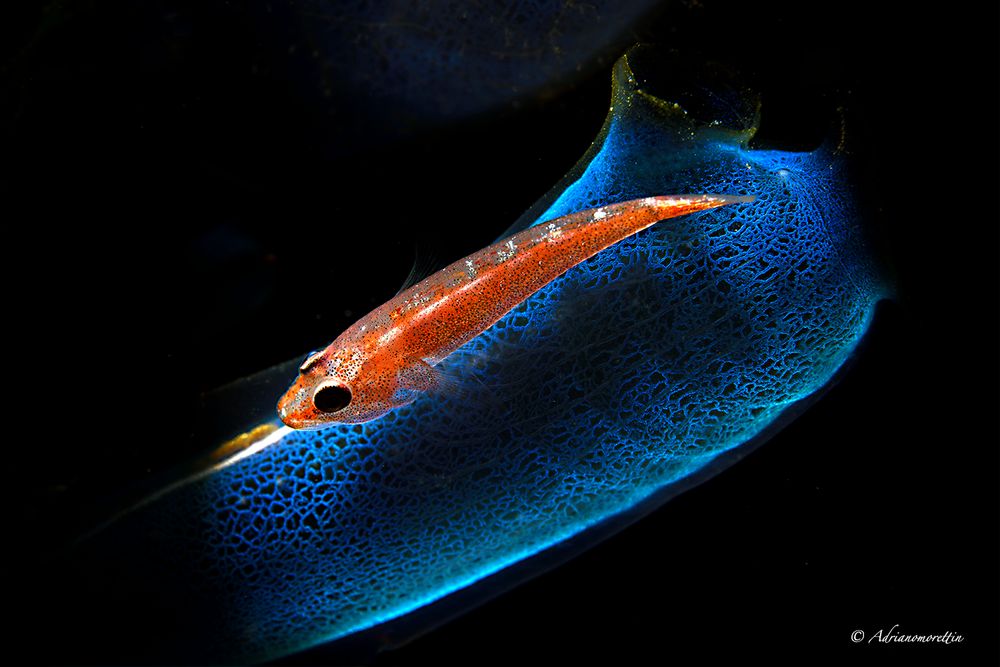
x=388 y=336
x=431 y=307
x=553 y=232
x=506 y=252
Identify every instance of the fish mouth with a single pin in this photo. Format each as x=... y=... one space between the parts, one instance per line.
x=297 y=411
x=287 y=413
x=286 y=419
x=307 y=426
x=298 y=423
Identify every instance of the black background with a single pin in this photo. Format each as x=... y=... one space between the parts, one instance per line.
x=178 y=215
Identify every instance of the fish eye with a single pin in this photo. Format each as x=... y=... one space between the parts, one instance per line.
x=310 y=360
x=331 y=398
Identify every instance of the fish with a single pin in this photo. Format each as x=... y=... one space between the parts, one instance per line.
x=388 y=357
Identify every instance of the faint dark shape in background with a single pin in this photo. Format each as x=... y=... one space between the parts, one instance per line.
x=396 y=67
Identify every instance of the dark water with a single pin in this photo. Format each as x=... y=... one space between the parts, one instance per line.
x=182 y=216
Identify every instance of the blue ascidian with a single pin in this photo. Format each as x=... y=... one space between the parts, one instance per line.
x=601 y=393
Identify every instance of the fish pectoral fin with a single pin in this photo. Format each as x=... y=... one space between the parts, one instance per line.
x=418 y=375
x=403 y=396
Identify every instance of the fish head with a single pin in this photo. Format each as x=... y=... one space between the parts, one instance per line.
x=328 y=391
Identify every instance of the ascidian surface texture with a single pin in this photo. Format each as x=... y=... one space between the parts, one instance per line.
x=635 y=369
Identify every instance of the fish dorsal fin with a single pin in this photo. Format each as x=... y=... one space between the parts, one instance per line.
x=424 y=264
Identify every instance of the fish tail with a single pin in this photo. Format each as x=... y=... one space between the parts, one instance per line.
x=733 y=199
x=711 y=199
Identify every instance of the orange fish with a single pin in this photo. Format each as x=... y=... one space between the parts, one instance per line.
x=387 y=358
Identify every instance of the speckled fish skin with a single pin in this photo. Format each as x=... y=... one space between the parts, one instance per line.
x=387 y=357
